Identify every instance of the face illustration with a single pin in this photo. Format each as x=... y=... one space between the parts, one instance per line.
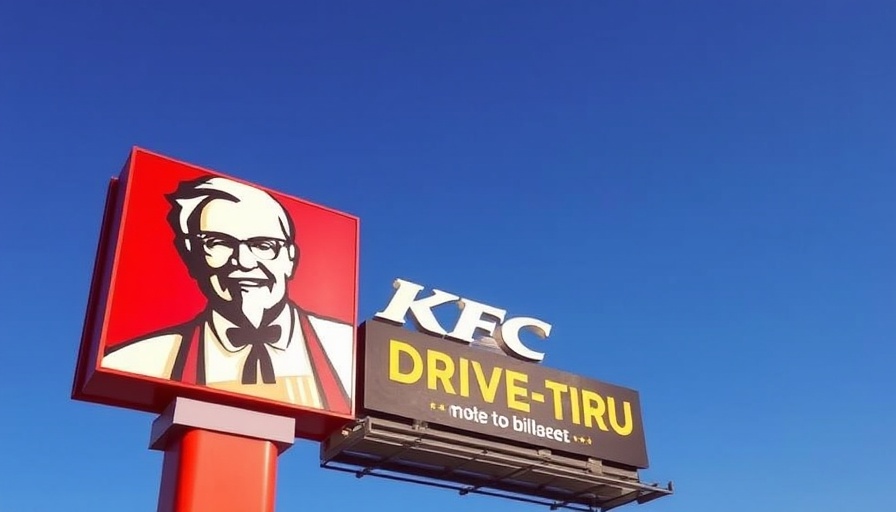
x=243 y=256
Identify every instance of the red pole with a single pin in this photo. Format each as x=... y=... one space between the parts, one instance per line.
x=219 y=458
x=220 y=472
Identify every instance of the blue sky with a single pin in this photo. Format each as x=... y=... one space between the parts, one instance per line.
x=697 y=195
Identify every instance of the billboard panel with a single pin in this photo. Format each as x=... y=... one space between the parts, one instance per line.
x=210 y=287
x=427 y=378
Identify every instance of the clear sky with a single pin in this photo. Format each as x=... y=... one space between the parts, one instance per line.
x=698 y=195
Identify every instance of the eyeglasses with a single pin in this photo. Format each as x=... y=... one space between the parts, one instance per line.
x=221 y=247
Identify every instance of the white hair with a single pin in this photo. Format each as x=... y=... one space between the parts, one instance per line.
x=191 y=196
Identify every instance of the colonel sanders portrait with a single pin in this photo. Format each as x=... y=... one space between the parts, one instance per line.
x=239 y=245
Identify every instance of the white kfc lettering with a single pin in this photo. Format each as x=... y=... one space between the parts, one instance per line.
x=474 y=317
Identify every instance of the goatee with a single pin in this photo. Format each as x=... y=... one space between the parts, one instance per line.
x=252 y=305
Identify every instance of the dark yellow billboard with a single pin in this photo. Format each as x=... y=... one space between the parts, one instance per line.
x=427 y=378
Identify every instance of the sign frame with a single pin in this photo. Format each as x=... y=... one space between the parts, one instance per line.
x=414 y=400
x=94 y=383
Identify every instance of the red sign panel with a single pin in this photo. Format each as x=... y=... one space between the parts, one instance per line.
x=213 y=288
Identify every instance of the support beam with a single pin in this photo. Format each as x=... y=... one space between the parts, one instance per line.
x=218 y=457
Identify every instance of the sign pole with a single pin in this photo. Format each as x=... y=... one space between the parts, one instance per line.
x=219 y=457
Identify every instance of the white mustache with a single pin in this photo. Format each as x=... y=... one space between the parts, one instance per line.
x=247 y=275
x=251 y=278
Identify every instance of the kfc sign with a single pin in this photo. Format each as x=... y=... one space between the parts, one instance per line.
x=475 y=318
x=209 y=287
x=420 y=377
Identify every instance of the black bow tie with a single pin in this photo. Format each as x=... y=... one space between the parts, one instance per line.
x=258 y=354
